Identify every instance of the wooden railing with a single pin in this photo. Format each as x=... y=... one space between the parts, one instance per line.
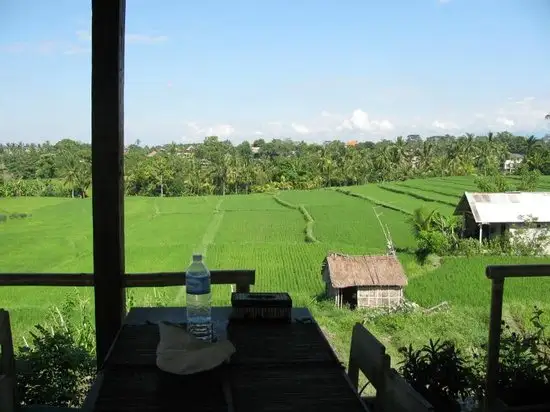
x=498 y=274
x=242 y=279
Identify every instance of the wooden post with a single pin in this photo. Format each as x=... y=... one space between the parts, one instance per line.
x=108 y=17
x=480 y=233
x=497 y=293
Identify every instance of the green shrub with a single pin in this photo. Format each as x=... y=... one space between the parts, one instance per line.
x=19 y=215
x=3 y=218
x=524 y=374
x=433 y=242
x=440 y=373
x=529 y=179
x=58 y=367
x=445 y=377
x=468 y=247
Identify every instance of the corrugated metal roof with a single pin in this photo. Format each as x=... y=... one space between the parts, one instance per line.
x=509 y=207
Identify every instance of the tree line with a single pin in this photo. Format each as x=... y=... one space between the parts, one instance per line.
x=220 y=167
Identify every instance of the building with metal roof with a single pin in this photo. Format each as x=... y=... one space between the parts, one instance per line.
x=491 y=214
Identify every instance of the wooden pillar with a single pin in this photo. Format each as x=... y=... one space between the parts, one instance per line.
x=497 y=294
x=481 y=233
x=107 y=169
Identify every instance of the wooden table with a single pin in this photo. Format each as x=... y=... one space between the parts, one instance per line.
x=276 y=367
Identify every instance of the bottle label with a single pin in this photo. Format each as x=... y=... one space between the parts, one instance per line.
x=198 y=285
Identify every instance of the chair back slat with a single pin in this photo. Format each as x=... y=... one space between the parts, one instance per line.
x=399 y=396
x=368 y=355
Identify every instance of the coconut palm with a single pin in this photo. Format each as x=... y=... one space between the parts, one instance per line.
x=71 y=167
x=422 y=220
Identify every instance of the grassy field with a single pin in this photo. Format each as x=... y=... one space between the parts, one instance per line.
x=256 y=231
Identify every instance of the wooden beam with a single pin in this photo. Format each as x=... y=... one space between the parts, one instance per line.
x=108 y=19
x=493 y=351
x=46 y=279
x=241 y=278
x=516 y=271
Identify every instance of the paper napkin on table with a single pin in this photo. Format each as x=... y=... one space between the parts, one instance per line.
x=181 y=353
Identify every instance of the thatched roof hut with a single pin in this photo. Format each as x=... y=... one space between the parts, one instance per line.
x=364 y=281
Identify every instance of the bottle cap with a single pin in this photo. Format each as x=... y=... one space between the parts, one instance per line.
x=197 y=257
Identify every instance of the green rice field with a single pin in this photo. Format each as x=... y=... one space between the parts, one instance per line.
x=258 y=232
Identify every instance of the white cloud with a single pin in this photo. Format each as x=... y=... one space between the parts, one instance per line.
x=525 y=100
x=221 y=130
x=359 y=120
x=505 y=121
x=300 y=128
x=444 y=125
x=517 y=115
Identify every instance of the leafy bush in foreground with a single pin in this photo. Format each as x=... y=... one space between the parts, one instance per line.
x=445 y=377
x=58 y=367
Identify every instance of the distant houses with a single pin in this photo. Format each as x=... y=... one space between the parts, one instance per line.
x=512 y=163
x=364 y=281
x=488 y=215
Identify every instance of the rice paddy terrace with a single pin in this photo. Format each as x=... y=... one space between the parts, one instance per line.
x=284 y=237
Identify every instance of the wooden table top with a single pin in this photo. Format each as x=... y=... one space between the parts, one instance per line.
x=277 y=367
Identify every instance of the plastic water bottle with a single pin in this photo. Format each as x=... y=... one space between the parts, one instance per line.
x=199 y=304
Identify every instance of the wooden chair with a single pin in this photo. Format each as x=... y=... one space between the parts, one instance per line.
x=7 y=373
x=399 y=396
x=368 y=355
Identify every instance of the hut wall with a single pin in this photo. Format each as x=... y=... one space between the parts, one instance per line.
x=379 y=296
x=329 y=290
x=470 y=228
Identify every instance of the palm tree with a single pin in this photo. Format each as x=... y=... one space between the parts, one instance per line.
x=531 y=142
x=71 y=168
x=84 y=178
x=422 y=220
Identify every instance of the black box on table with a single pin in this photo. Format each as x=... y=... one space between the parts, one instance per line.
x=261 y=306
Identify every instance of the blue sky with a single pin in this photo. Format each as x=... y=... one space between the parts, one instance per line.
x=305 y=69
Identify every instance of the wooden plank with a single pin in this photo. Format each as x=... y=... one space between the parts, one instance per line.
x=399 y=396
x=108 y=20
x=91 y=397
x=46 y=279
x=7 y=393
x=7 y=364
x=368 y=355
x=217 y=277
x=493 y=352
x=516 y=271
x=145 y=315
x=241 y=278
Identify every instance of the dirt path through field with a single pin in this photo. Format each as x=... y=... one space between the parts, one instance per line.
x=208 y=238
